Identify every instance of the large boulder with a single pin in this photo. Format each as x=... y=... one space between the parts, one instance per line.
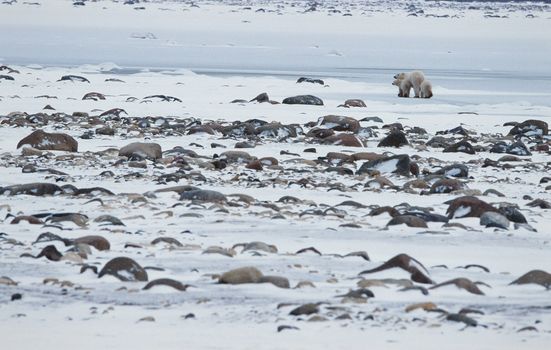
x=142 y=149
x=340 y=123
x=42 y=140
x=241 y=275
x=303 y=100
x=530 y=128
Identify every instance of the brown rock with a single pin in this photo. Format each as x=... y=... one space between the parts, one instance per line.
x=241 y=275
x=468 y=206
x=409 y=220
x=446 y=186
x=42 y=140
x=145 y=150
x=125 y=269
x=346 y=140
x=536 y=277
x=340 y=123
x=98 y=242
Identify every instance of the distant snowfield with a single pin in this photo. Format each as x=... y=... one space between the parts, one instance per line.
x=485 y=72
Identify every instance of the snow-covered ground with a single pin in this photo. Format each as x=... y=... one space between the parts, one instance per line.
x=485 y=71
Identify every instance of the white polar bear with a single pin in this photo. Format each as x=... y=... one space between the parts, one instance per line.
x=404 y=87
x=426 y=89
x=415 y=78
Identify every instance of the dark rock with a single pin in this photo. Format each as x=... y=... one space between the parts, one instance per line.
x=261 y=98
x=428 y=217
x=94 y=96
x=518 y=148
x=310 y=80
x=340 y=123
x=306 y=309
x=530 y=128
x=74 y=78
x=454 y=170
x=395 y=138
x=543 y=204
x=405 y=262
x=513 y=214
x=320 y=133
x=303 y=100
x=446 y=186
x=461 y=146
x=33 y=189
x=125 y=269
x=276 y=130
x=463 y=319
x=166 y=282
x=398 y=164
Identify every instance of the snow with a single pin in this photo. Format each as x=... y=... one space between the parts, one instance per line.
x=496 y=69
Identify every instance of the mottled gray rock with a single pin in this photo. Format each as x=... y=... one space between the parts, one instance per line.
x=493 y=219
x=303 y=100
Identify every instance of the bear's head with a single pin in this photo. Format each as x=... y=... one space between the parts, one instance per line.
x=400 y=76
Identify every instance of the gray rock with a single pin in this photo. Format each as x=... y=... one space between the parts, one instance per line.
x=398 y=164
x=203 y=195
x=540 y=277
x=277 y=281
x=454 y=170
x=493 y=219
x=303 y=100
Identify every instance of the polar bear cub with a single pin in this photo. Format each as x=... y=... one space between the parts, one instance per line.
x=415 y=78
x=404 y=87
x=426 y=89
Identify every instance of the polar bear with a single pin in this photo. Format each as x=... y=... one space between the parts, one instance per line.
x=404 y=87
x=415 y=78
x=426 y=89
